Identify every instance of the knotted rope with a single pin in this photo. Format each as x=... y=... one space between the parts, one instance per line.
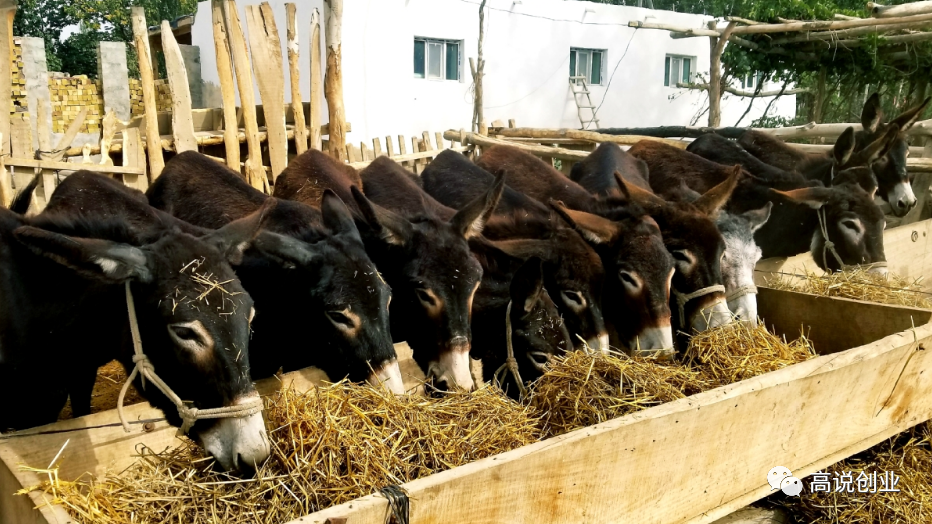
x=741 y=291
x=510 y=363
x=830 y=246
x=683 y=298
x=189 y=414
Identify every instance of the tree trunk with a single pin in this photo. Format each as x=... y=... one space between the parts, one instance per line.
x=294 y=69
x=333 y=82
x=480 y=67
x=715 y=73
x=153 y=141
x=316 y=98
x=227 y=87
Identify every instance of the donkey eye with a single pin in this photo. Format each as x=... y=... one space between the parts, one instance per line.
x=628 y=279
x=853 y=225
x=426 y=297
x=573 y=298
x=340 y=318
x=191 y=336
x=682 y=255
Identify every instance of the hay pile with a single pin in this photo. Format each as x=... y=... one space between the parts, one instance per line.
x=329 y=445
x=582 y=389
x=857 y=284
x=908 y=455
x=739 y=351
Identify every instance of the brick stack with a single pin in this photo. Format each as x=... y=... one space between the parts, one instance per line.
x=19 y=80
x=163 y=96
x=70 y=94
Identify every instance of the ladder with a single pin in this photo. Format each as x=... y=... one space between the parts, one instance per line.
x=580 y=81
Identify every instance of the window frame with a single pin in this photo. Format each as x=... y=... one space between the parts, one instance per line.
x=444 y=52
x=574 y=64
x=668 y=69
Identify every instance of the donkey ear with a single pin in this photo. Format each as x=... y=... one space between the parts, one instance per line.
x=813 y=197
x=623 y=188
x=639 y=196
x=234 y=238
x=470 y=220
x=102 y=260
x=337 y=217
x=285 y=249
x=844 y=147
x=872 y=114
x=527 y=285
x=876 y=149
x=758 y=217
x=909 y=117
x=391 y=228
x=595 y=229
x=714 y=199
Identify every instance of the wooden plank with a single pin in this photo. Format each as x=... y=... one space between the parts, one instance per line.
x=427 y=144
x=316 y=75
x=511 y=123
x=255 y=175
x=389 y=146
x=592 y=136
x=69 y=166
x=542 y=151
x=45 y=146
x=266 y=47
x=150 y=116
x=401 y=145
x=227 y=87
x=438 y=136
x=416 y=146
x=6 y=76
x=352 y=153
x=6 y=182
x=651 y=466
x=182 y=124
x=294 y=71
x=364 y=153
x=21 y=147
x=376 y=147
x=133 y=155
x=787 y=312
x=333 y=82
x=108 y=130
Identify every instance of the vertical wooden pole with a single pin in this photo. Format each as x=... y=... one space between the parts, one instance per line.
x=6 y=180
x=6 y=76
x=480 y=67
x=255 y=174
x=316 y=98
x=266 y=47
x=715 y=73
x=151 y=120
x=107 y=132
x=819 y=102
x=227 y=87
x=297 y=106
x=333 y=82
x=133 y=155
x=182 y=122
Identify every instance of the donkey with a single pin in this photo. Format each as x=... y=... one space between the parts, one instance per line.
x=309 y=174
x=600 y=173
x=309 y=273
x=65 y=284
x=424 y=254
x=573 y=272
x=891 y=167
x=851 y=219
x=688 y=232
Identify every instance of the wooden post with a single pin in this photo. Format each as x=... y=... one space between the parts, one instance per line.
x=267 y=64
x=108 y=130
x=150 y=115
x=819 y=102
x=333 y=82
x=45 y=147
x=477 y=79
x=376 y=147
x=227 y=87
x=133 y=155
x=255 y=174
x=6 y=180
x=389 y=146
x=6 y=76
x=715 y=73
x=297 y=106
x=182 y=123
x=316 y=98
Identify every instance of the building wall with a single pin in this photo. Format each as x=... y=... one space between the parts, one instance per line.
x=526 y=49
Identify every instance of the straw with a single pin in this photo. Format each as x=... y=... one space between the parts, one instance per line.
x=857 y=284
x=329 y=445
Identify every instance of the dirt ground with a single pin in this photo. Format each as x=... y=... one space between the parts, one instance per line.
x=110 y=379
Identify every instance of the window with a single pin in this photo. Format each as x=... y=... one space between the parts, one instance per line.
x=751 y=81
x=678 y=69
x=587 y=63
x=436 y=59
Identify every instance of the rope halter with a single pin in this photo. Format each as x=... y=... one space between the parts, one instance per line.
x=741 y=291
x=189 y=414
x=511 y=364
x=683 y=298
x=830 y=247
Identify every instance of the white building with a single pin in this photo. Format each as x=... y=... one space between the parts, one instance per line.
x=406 y=64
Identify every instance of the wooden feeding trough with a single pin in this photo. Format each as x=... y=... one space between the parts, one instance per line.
x=692 y=460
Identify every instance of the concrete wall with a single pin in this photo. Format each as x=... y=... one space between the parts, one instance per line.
x=526 y=49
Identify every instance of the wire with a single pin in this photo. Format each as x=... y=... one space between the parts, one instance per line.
x=580 y=22
x=614 y=70
x=57 y=431
x=534 y=90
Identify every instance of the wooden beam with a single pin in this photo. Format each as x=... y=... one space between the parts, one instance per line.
x=894 y=11
x=478 y=75
x=744 y=21
x=333 y=82
x=833 y=36
x=266 y=47
x=692 y=31
x=150 y=116
x=715 y=73
x=729 y=89
x=294 y=71
x=6 y=76
x=883 y=40
x=135 y=156
x=6 y=180
x=645 y=464
x=543 y=151
x=575 y=134
x=824 y=25
x=808 y=57
x=316 y=76
x=71 y=166
x=182 y=125
x=227 y=86
x=255 y=175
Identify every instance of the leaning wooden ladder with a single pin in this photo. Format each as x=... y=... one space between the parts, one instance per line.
x=580 y=81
